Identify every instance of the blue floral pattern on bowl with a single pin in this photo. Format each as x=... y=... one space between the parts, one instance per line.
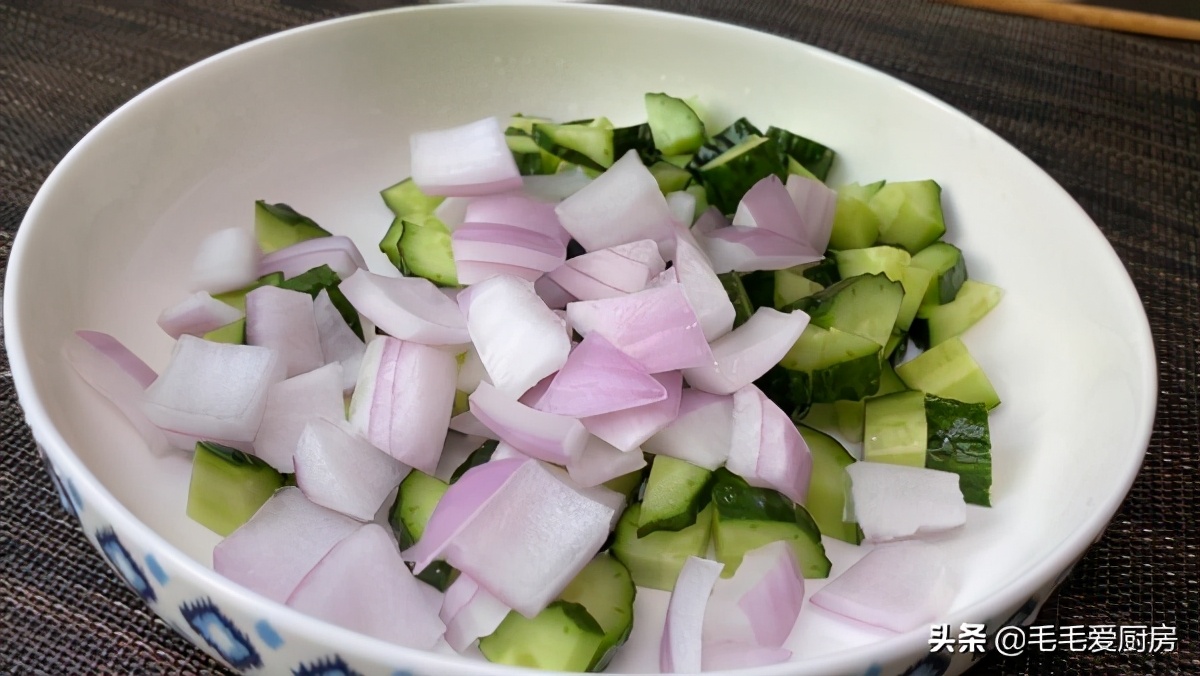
x=219 y=632
x=110 y=545
x=332 y=665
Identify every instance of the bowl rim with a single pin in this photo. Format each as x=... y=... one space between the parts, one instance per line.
x=1026 y=584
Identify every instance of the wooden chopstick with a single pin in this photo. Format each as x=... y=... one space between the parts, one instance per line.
x=1095 y=17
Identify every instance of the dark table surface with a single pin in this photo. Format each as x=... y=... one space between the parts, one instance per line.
x=1114 y=118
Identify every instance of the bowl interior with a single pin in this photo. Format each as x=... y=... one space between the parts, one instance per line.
x=320 y=119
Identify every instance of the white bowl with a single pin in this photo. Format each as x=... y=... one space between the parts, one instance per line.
x=320 y=116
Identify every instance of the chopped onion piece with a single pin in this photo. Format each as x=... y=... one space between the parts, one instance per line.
x=470 y=612
x=225 y=260
x=598 y=378
x=767 y=204
x=683 y=207
x=533 y=537
x=517 y=210
x=817 y=204
x=452 y=212
x=408 y=308
x=272 y=552
x=403 y=400
x=727 y=655
x=759 y=605
x=767 y=449
x=680 y=650
x=600 y=461
x=339 y=343
x=118 y=374
x=899 y=586
x=472 y=159
x=749 y=351
x=703 y=290
x=508 y=245
x=338 y=252
x=519 y=339
x=702 y=432
x=747 y=249
x=552 y=294
x=473 y=272
x=340 y=470
x=458 y=447
x=466 y=423
x=363 y=585
x=285 y=321
x=213 y=390
x=196 y=315
x=611 y=272
x=546 y=436
x=657 y=327
x=897 y=501
x=290 y=405
x=622 y=205
x=629 y=429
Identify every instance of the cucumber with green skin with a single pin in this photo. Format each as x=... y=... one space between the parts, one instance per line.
x=910 y=214
x=731 y=174
x=887 y=260
x=827 y=486
x=675 y=493
x=948 y=370
x=228 y=486
x=423 y=249
x=832 y=364
x=894 y=429
x=855 y=225
x=406 y=199
x=790 y=285
x=237 y=297
x=605 y=589
x=789 y=390
x=477 y=457
x=814 y=157
x=746 y=517
x=589 y=144
x=563 y=637
x=669 y=177
x=959 y=441
x=676 y=129
x=866 y=305
x=743 y=307
x=949 y=267
x=278 y=225
x=654 y=561
x=416 y=499
x=973 y=302
x=760 y=287
x=233 y=333
x=722 y=141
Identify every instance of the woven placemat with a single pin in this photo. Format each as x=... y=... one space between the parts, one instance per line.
x=1114 y=118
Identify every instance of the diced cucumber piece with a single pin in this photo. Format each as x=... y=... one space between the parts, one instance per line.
x=681 y=161
x=886 y=260
x=228 y=486
x=588 y=145
x=675 y=493
x=823 y=272
x=846 y=416
x=948 y=370
x=390 y=244
x=416 y=499
x=760 y=287
x=675 y=127
x=629 y=485
x=524 y=123
x=476 y=458
x=462 y=403
x=910 y=214
x=696 y=190
x=791 y=285
x=949 y=267
x=866 y=305
x=791 y=391
x=323 y=278
x=730 y=175
x=855 y=225
x=530 y=158
x=424 y=251
x=605 y=589
x=722 y=141
x=278 y=225
x=743 y=307
x=747 y=517
x=849 y=415
x=233 y=333
x=916 y=283
x=237 y=297
x=654 y=561
x=835 y=364
x=894 y=428
x=827 y=485
x=814 y=157
x=636 y=138
x=794 y=167
x=670 y=177
x=974 y=300
x=897 y=347
x=563 y=637
x=959 y=441
x=406 y=199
